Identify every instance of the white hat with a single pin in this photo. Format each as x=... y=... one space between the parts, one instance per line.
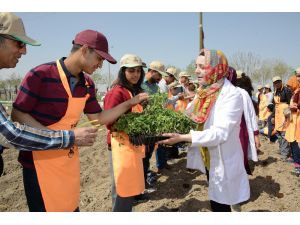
x=239 y=74
x=267 y=86
x=184 y=74
x=259 y=87
x=159 y=67
x=130 y=60
x=276 y=78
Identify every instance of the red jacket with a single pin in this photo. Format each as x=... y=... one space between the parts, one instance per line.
x=114 y=97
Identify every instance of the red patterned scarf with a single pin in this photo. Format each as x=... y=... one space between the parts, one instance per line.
x=216 y=67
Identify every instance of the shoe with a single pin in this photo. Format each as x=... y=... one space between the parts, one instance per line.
x=296 y=171
x=151 y=180
x=149 y=188
x=236 y=208
x=140 y=198
x=289 y=160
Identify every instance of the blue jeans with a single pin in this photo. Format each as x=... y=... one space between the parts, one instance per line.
x=283 y=144
x=160 y=158
x=295 y=151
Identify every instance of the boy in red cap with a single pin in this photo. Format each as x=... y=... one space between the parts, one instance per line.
x=62 y=90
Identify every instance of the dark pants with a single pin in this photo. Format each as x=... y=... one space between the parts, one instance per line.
x=146 y=160
x=215 y=206
x=161 y=157
x=123 y=204
x=271 y=137
x=295 y=151
x=33 y=193
x=1 y=165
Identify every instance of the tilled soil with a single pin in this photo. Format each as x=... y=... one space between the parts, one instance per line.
x=273 y=187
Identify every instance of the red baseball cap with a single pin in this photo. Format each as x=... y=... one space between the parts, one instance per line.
x=96 y=41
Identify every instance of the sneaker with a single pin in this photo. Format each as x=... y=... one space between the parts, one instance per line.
x=151 y=180
x=296 y=171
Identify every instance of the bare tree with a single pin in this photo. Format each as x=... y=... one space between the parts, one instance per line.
x=248 y=62
x=190 y=69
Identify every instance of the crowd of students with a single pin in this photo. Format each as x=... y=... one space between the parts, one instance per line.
x=279 y=116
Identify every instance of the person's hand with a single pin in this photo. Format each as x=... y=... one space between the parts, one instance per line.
x=293 y=105
x=85 y=136
x=175 y=138
x=257 y=141
x=180 y=96
x=138 y=99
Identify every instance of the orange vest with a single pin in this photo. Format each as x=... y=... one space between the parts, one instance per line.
x=293 y=127
x=263 y=110
x=290 y=134
x=128 y=163
x=279 y=116
x=58 y=170
x=181 y=105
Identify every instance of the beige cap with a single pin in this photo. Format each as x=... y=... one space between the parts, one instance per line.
x=174 y=84
x=172 y=71
x=12 y=25
x=239 y=74
x=298 y=70
x=276 y=78
x=267 y=86
x=130 y=60
x=259 y=87
x=159 y=67
x=184 y=74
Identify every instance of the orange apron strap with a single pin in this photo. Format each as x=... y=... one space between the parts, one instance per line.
x=64 y=79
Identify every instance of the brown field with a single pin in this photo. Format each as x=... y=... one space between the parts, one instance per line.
x=273 y=188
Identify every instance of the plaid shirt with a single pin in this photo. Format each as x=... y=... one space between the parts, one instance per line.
x=27 y=138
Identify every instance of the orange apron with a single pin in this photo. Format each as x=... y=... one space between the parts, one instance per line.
x=279 y=116
x=263 y=110
x=181 y=105
x=58 y=170
x=128 y=163
x=290 y=134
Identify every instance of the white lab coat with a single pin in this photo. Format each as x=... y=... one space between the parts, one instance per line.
x=228 y=180
x=251 y=123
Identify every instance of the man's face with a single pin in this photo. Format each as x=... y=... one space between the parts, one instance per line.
x=169 y=79
x=92 y=61
x=155 y=76
x=278 y=84
x=10 y=53
x=183 y=80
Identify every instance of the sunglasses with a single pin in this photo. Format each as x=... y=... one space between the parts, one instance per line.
x=20 y=43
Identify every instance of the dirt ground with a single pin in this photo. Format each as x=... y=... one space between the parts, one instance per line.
x=273 y=187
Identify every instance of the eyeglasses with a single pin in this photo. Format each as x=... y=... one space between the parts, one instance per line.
x=20 y=43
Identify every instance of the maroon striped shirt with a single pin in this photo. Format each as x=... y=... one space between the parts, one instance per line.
x=42 y=95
